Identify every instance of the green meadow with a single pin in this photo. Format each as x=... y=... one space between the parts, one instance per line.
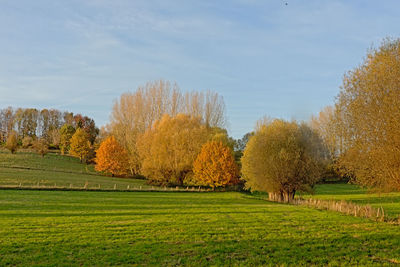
x=69 y=228
x=30 y=169
x=79 y=228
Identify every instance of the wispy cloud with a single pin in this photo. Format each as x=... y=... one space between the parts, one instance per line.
x=265 y=57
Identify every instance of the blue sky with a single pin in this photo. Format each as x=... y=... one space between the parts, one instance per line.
x=263 y=56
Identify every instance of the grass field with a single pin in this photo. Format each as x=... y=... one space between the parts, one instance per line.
x=120 y=228
x=71 y=228
x=27 y=168
x=389 y=201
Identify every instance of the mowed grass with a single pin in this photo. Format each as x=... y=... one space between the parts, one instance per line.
x=390 y=202
x=30 y=169
x=70 y=228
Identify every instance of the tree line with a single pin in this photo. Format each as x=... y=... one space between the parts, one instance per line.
x=159 y=132
x=179 y=138
x=41 y=129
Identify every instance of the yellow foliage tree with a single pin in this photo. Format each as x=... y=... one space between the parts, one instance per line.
x=215 y=165
x=169 y=148
x=136 y=112
x=12 y=142
x=112 y=158
x=80 y=145
x=282 y=158
x=368 y=119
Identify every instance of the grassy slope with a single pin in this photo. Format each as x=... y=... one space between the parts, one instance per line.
x=55 y=169
x=389 y=201
x=104 y=228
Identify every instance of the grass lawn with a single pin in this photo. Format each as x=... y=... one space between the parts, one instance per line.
x=389 y=201
x=29 y=169
x=152 y=228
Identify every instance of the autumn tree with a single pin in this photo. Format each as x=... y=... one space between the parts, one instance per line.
x=12 y=142
x=41 y=146
x=80 y=145
x=215 y=165
x=282 y=158
x=27 y=141
x=135 y=112
x=368 y=115
x=112 y=158
x=325 y=125
x=66 y=133
x=169 y=148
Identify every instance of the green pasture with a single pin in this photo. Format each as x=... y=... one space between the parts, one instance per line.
x=30 y=169
x=70 y=228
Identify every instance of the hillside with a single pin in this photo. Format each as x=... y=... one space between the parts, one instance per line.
x=27 y=168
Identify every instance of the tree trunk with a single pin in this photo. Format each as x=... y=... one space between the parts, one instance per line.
x=282 y=196
x=275 y=196
x=288 y=196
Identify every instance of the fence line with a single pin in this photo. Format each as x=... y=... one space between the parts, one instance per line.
x=349 y=208
x=98 y=187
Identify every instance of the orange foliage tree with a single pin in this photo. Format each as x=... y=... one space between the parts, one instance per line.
x=215 y=165
x=112 y=158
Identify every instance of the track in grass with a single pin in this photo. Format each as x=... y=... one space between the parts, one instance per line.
x=111 y=228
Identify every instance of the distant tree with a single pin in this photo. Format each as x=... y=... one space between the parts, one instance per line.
x=54 y=137
x=88 y=125
x=41 y=146
x=27 y=141
x=215 y=165
x=170 y=147
x=12 y=142
x=282 y=158
x=324 y=124
x=66 y=133
x=80 y=145
x=7 y=123
x=112 y=158
x=241 y=143
x=218 y=134
x=368 y=119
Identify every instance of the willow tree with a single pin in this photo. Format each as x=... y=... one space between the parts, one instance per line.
x=169 y=148
x=136 y=112
x=324 y=124
x=368 y=116
x=282 y=158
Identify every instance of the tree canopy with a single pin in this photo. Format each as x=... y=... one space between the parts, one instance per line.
x=169 y=148
x=80 y=145
x=368 y=118
x=112 y=158
x=136 y=112
x=282 y=158
x=215 y=165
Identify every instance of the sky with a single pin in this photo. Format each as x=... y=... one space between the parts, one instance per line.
x=282 y=59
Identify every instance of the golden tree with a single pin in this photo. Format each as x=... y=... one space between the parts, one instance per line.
x=282 y=158
x=136 y=112
x=215 y=165
x=170 y=147
x=66 y=133
x=80 y=145
x=112 y=158
x=41 y=146
x=368 y=117
x=12 y=142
